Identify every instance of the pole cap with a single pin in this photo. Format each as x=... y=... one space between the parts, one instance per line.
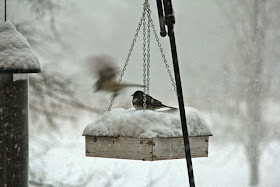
x=16 y=55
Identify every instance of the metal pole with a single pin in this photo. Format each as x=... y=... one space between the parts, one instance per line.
x=182 y=107
x=17 y=103
x=14 y=130
x=161 y=18
x=170 y=21
x=5 y=10
x=5 y=79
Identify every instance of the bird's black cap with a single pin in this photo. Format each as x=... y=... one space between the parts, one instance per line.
x=138 y=92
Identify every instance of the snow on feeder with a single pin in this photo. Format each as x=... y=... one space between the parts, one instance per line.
x=16 y=61
x=146 y=135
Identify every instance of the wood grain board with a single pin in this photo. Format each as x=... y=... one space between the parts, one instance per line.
x=148 y=149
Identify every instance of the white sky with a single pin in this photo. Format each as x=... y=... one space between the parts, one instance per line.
x=95 y=27
x=2 y=10
x=204 y=42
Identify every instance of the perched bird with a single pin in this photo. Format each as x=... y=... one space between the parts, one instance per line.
x=151 y=103
x=107 y=73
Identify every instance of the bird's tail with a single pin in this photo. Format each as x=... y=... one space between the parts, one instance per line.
x=170 y=107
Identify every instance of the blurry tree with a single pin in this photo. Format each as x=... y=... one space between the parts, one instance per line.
x=52 y=95
x=250 y=78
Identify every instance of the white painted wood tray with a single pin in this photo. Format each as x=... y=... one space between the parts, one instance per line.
x=146 y=149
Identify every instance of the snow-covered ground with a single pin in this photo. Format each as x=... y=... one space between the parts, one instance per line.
x=62 y=161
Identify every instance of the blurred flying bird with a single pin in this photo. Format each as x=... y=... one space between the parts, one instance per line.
x=107 y=72
x=151 y=103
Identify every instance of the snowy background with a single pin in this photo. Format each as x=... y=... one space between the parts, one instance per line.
x=228 y=53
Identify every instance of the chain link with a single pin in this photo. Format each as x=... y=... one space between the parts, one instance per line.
x=112 y=101
x=144 y=54
x=127 y=59
x=148 y=47
x=161 y=50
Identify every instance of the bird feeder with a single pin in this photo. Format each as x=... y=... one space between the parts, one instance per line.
x=16 y=62
x=150 y=135
x=156 y=146
x=146 y=135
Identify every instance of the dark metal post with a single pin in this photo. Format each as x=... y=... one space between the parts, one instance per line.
x=5 y=10
x=14 y=130
x=5 y=79
x=161 y=19
x=170 y=21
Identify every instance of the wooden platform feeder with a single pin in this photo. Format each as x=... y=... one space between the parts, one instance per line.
x=146 y=149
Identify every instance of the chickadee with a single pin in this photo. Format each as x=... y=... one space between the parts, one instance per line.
x=151 y=103
x=107 y=72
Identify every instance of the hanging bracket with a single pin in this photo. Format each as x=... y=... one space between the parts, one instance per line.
x=161 y=18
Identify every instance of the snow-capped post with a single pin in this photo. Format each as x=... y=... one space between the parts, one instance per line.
x=16 y=62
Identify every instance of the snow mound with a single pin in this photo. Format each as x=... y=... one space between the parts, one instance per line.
x=147 y=124
x=15 y=52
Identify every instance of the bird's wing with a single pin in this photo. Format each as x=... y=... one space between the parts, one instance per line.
x=153 y=101
x=104 y=67
x=107 y=73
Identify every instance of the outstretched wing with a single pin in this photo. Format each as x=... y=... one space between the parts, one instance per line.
x=103 y=66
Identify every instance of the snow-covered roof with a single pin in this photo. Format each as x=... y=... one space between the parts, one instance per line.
x=147 y=124
x=15 y=53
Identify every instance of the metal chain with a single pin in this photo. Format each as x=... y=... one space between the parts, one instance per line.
x=127 y=59
x=161 y=49
x=112 y=101
x=148 y=48
x=144 y=54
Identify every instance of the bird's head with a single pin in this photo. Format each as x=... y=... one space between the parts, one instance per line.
x=138 y=93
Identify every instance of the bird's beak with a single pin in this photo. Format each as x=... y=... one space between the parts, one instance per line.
x=132 y=95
